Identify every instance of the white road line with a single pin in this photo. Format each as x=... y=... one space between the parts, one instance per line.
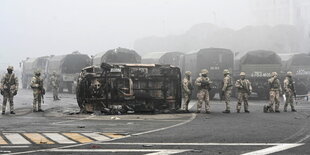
x=59 y=138
x=97 y=136
x=24 y=146
x=165 y=128
x=202 y=144
x=303 y=139
x=16 y=138
x=56 y=123
x=157 y=151
x=273 y=149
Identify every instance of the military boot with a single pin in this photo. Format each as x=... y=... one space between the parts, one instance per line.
x=40 y=110
x=238 y=110
x=226 y=111
x=12 y=112
x=246 y=111
x=277 y=111
x=293 y=110
x=265 y=109
x=285 y=110
x=3 y=112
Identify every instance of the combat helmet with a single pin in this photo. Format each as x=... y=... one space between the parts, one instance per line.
x=274 y=74
x=10 y=68
x=242 y=74
x=37 y=72
x=188 y=73
x=226 y=71
x=204 y=71
x=289 y=73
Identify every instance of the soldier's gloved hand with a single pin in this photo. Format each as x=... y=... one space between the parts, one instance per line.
x=2 y=92
x=241 y=87
x=15 y=92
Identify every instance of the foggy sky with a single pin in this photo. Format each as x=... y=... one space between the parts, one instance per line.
x=32 y=28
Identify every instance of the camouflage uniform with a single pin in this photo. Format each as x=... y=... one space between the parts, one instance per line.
x=9 y=88
x=203 y=84
x=54 y=82
x=289 y=90
x=187 y=89
x=244 y=91
x=226 y=89
x=38 y=91
x=274 y=93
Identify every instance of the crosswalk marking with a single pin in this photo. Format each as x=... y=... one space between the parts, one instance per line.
x=114 y=135
x=2 y=141
x=38 y=138
x=59 y=138
x=55 y=138
x=78 y=137
x=97 y=136
x=16 y=138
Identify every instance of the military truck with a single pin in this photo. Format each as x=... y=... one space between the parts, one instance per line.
x=258 y=66
x=172 y=58
x=68 y=68
x=117 y=55
x=299 y=64
x=29 y=66
x=121 y=88
x=152 y=57
x=213 y=59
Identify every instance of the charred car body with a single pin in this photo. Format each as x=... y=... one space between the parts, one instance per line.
x=129 y=87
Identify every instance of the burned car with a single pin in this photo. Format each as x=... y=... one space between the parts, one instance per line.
x=121 y=88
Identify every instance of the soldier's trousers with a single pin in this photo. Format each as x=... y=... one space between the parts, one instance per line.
x=243 y=97
x=274 y=97
x=8 y=95
x=227 y=96
x=289 y=100
x=55 y=93
x=36 y=100
x=187 y=99
x=203 y=96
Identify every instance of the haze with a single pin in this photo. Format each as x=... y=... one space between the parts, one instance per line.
x=32 y=28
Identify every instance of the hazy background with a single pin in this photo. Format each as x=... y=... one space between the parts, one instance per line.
x=32 y=28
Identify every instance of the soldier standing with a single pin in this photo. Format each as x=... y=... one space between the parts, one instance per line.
x=9 y=87
x=187 y=89
x=274 y=93
x=203 y=83
x=289 y=90
x=226 y=89
x=54 y=82
x=244 y=91
x=38 y=91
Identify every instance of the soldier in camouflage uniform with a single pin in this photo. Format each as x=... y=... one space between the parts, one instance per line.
x=8 y=88
x=289 y=90
x=244 y=91
x=54 y=82
x=187 y=89
x=274 y=93
x=203 y=83
x=226 y=89
x=38 y=91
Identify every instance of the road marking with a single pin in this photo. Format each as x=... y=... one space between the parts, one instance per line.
x=78 y=137
x=273 y=149
x=113 y=135
x=16 y=138
x=157 y=151
x=303 y=139
x=59 y=138
x=38 y=138
x=24 y=146
x=201 y=144
x=165 y=128
x=97 y=136
x=2 y=141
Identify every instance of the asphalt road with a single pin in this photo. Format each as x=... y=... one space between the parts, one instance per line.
x=59 y=130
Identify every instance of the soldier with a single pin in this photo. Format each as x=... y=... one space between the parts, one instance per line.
x=8 y=88
x=274 y=93
x=203 y=83
x=38 y=91
x=289 y=90
x=54 y=82
x=187 y=89
x=244 y=91
x=226 y=89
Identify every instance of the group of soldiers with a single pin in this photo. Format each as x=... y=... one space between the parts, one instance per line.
x=243 y=85
x=9 y=88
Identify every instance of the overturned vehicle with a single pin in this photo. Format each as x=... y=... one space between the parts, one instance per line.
x=127 y=88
